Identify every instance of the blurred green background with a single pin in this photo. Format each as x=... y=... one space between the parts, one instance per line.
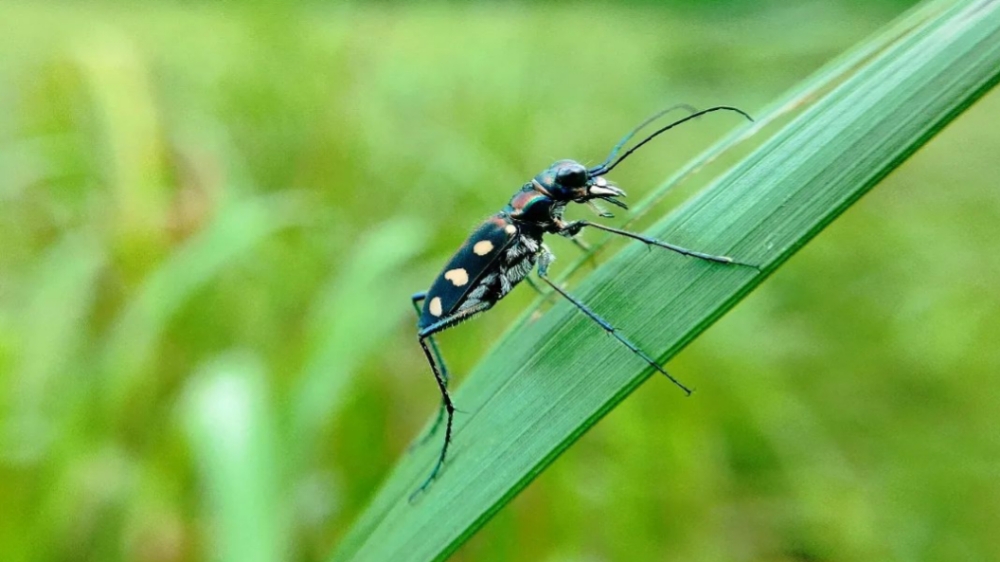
x=213 y=216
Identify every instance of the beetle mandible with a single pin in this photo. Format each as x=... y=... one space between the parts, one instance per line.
x=503 y=250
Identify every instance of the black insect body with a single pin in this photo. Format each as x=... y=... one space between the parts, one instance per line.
x=506 y=247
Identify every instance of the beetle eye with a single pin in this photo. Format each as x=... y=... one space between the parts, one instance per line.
x=572 y=176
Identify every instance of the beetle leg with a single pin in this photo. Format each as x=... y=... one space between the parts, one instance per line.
x=417 y=298
x=449 y=407
x=584 y=247
x=575 y=226
x=544 y=260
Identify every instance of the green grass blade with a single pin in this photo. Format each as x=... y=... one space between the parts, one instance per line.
x=337 y=348
x=547 y=383
x=53 y=319
x=230 y=423
x=239 y=226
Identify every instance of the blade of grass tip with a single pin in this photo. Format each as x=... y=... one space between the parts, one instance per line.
x=821 y=81
x=824 y=79
x=549 y=382
x=239 y=226
x=338 y=345
x=230 y=424
x=122 y=93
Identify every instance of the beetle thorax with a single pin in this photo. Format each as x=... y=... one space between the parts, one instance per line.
x=531 y=206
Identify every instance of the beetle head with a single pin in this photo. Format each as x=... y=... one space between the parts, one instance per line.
x=568 y=180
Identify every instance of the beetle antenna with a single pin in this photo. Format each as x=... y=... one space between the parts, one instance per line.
x=641 y=126
x=605 y=167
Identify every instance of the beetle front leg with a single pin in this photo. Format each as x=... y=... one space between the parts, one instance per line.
x=576 y=226
x=570 y=229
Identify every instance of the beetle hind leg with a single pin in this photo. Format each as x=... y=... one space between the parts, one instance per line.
x=423 y=336
x=417 y=298
x=447 y=407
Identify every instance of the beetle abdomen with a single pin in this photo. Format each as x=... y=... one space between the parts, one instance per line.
x=476 y=264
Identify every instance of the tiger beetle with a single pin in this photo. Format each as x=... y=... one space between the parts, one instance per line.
x=504 y=249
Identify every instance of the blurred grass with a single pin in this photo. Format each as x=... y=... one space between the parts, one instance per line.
x=845 y=411
x=233 y=434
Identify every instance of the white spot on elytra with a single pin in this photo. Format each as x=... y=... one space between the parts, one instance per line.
x=482 y=248
x=511 y=229
x=458 y=276
x=435 y=306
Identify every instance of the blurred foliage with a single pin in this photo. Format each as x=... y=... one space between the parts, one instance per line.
x=214 y=215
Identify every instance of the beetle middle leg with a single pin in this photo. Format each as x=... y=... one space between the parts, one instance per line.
x=588 y=256
x=545 y=259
